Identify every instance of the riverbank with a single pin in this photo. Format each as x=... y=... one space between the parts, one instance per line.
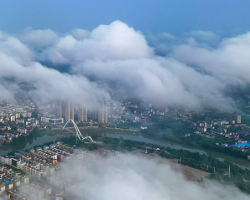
x=48 y=135
x=243 y=163
x=37 y=137
x=198 y=160
x=137 y=136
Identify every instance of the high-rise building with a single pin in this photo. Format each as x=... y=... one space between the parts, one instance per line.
x=166 y=110
x=103 y=112
x=59 y=109
x=67 y=111
x=238 y=119
x=82 y=114
x=93 y=115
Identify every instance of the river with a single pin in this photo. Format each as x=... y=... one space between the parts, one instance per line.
x=243 y=163
x=35 y=141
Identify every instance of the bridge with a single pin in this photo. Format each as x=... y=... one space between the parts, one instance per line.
x=78 y=133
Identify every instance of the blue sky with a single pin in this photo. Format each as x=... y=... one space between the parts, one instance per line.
x=224 y=17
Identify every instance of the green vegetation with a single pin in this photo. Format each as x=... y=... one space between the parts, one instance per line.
x=220 y=115
x=245 y=119
x=72 y=141
x=129 y=124
x=83 y=124
x=174 y=130
x=196 y=118
x=34 y=114
x=160 y=128
x=198 y=141
x=13 y=126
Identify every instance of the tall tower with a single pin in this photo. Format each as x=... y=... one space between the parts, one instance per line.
x=59 y=109
x=103 y=112
x=82 y=114
x=93 y=114
x=67 y=111
x=238 y=119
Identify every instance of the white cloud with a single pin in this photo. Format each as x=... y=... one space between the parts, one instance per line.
x=80 y=34
x=138 y=178
x=205 y=37
x=6 y=94
x=118 y=53
x=53 y=85
x=14 y=48
x=39 y=38
x=229 y=62
x=106 y=42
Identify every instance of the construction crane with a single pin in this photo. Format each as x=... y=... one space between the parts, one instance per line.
x=78 y=133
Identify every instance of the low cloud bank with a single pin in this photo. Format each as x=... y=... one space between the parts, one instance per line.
x=196 y=71
x=127 y=176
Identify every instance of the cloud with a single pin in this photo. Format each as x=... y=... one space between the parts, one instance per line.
x=39 y=38
x=191 y=74
x=160 y=80
x=167 y=36
x=17 y=61
x=106 y=42
x=229 y=62
x=206 y=37
x=14 y=48
x=6 y=94
x=127 y=176
x=80 y=34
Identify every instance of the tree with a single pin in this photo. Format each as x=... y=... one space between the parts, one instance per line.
x=34 y=114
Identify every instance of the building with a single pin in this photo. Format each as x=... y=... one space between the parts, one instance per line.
x=67 y=111
x=103 y=112
x=12 y=118
x=238 y=119
x=166 y=110
x=82 y=114
x=93 y=115
x=59 y=109
x=52 y=120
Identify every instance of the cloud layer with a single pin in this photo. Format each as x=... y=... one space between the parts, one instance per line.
x=195 y=73
x=138 y=178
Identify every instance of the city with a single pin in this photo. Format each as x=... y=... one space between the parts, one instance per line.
x=127 y=100
x=31 y=167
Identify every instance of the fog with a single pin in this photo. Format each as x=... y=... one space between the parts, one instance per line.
x=127 y=176
x=193 y=71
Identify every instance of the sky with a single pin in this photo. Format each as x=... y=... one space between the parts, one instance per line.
x=224 y=17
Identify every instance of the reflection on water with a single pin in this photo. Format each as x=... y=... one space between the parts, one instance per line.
x=36 y=141
x=220 y=156
x=140 y=138
x=39 y=141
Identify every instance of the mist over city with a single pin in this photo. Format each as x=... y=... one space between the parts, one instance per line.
x=124 y=100
x=186 y=76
